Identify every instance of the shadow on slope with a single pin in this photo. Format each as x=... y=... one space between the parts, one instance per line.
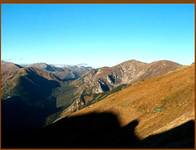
x=91 y=130
x=179 y=137
x=23 y=114
x=20 y=120
x=102 y=130
x=35 y=87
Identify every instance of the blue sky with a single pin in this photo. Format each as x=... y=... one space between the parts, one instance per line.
x=99 y=35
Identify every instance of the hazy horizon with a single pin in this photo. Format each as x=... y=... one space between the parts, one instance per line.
x=87 y=65
x=97 y=34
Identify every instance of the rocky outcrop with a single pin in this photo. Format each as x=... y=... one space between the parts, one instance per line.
x=103 y=80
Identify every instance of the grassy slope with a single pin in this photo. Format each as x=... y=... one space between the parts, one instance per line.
x=159 y=103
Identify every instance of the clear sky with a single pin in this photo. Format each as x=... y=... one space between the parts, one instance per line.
x=98 y=35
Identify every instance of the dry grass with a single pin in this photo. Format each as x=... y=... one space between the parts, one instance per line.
x=159 y=103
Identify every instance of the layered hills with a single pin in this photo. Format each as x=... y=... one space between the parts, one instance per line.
x=98 y=83
x=156 y=112
x=27 y=98
x=159 y=103
x=158 y=94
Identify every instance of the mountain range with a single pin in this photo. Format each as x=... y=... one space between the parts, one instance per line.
x=38 y=96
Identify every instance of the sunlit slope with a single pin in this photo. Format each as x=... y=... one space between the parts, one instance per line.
x=159 y=103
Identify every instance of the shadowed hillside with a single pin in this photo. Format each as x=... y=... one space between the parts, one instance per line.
x=101 y=130
x=135 y=115
x=19 y=119
x=160 y=103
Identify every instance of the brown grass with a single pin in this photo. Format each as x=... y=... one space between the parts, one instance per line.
x=159 y=103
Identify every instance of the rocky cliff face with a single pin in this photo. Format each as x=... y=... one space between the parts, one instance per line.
x=97 y=82
x=106 y=78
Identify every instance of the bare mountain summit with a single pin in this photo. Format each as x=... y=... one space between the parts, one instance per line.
x=96 y=83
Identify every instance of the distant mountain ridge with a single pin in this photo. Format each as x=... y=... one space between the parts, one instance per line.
x=60 y=90
x=84 y=83
x=98 y=81
x=159 y=94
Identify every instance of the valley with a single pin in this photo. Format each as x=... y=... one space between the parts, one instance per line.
x=159 y=95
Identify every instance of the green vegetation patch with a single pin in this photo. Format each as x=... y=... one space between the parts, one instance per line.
x=158 y=109
x=65 y=95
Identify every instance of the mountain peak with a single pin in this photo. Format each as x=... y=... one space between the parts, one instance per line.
x=130 y=63
x=133 y=61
